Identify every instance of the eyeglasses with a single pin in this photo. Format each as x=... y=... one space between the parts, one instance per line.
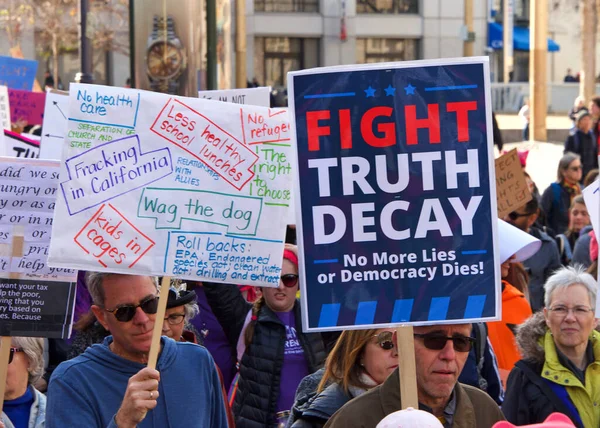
x=575 y=168
x=437 y=342
x=126 y=313
x=515 y=215
x=175 y=319
x=385 y=340
x=289 y=279
x=12 y=353
x=563 y=311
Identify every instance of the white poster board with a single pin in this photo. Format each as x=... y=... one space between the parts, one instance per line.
x=35 y=299
x=4 y=108
x=248 y=96
x=166 y=185
x=55 y=125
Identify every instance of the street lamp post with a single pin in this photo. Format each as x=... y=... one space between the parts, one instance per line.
x=85 y=50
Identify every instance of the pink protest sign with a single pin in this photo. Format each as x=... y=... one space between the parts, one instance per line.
x=27 y=106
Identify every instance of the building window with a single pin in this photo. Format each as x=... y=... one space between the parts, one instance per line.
x=286 y=6
x=386 y=50
x=387 y=6
x=274 y=57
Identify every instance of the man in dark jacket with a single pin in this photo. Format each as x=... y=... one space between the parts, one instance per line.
x=582 y=142
x=438 y=389
x=543 y=263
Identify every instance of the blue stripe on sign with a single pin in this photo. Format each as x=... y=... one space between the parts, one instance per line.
x=474 y=307
x=339 y=94
x=365 y=314
x=439 y=308
x=472 y=252
x=325 y=261
x=329 y=315
x=450 y=88
x=402 y=310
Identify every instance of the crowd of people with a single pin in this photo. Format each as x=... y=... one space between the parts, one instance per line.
x=258 y=368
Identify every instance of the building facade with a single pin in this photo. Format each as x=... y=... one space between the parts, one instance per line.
x=287 y=35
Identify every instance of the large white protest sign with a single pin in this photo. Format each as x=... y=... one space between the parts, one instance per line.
x=35 y=299
x=166 y=185
x=55 y=125
x=4 y=108
x=247 y=96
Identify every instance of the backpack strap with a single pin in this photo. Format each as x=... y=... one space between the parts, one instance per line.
x=556 y=191
x=564 y=246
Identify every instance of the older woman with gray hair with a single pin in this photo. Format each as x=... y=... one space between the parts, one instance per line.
x=560 y=369
x=181 y=308
x=557 y=198
x=24 y=406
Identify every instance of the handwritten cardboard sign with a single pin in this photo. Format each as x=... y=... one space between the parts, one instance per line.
x=27 y=106
x=17 y=73
x=185 y=187
x=512 y=191
x=35 y=299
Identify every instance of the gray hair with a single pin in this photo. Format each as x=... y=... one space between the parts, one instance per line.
x=567 y=276
x=33 y=347
x=563 y=164
x=94 y=283
x=191 y=310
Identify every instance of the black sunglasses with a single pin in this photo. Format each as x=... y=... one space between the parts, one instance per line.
x=12 y=353
x=385 y=340
x=289 y=279
x=437 y=342
x=515 y=215
x=126 y=313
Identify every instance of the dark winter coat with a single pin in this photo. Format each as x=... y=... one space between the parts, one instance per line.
x=540 y=266
x=556 y=210
x=585 y=146
x=530 y=397
x=260 y=368
x=317 y=412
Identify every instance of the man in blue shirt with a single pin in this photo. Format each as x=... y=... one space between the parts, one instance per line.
x=110 y=386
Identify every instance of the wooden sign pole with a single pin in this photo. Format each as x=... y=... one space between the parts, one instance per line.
x=4 y=353
x=160 y=316
x=407 y=368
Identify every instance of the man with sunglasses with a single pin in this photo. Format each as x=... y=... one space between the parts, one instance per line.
x=440 y=353
x=545 y=261
x=109 y=386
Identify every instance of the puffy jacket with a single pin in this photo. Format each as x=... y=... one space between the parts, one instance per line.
x=540 y=385
x=515 y=310
x=318 y=411
x=260 y=367
x=37 y=413
x=540 y=266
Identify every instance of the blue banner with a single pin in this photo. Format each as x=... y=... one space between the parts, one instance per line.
x=17 y=73
x=397 y=194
